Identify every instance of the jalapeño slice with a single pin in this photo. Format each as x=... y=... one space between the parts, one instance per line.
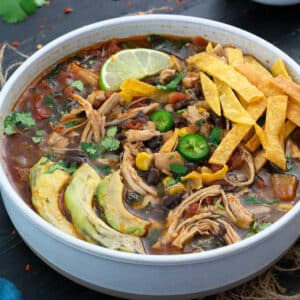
x=163 y=120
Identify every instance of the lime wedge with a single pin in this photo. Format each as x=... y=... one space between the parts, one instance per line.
x=131 y=63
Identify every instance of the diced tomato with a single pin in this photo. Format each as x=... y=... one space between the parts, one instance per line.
x=134 y=125
x=235 y=161
x=177 y=96
x=199 y=41
x=259 y=182
x=284 y=186
x=192 y=209
x=63 y=77
x=41 y=111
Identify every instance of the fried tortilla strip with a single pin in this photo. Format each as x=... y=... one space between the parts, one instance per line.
x=232 y=108
x=253 y=143
x=226 y=73
x=211 y=94
x=275 y=117
x=293 y=113
x=209 y=48
x=233 y=138
x=257 y=65
x=261 y=135
x=279 y=68
x=259 y=159
x=234 y=56
x=289 y=87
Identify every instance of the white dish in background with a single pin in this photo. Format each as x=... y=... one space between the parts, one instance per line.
x=133 y=275
x=278 y=2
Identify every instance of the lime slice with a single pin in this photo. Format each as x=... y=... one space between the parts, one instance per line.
x=131 y=63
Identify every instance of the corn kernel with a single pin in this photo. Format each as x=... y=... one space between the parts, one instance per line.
x=205 y=170
x=285 y=206
x=166 y=180
x=184 y=131
x=201 y=109
x=177 y=188
x=144 y=161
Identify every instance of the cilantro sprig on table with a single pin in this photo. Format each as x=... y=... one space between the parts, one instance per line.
x=14 y=11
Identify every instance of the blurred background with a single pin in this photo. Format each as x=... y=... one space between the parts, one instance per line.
x=278 y=25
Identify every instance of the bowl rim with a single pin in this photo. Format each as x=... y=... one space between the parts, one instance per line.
x=149 y=259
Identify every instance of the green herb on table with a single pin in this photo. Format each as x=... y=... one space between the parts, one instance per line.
x=17 y=118
x=172 y=85
x=14 y=11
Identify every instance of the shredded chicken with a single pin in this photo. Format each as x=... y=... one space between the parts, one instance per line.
x=133 y=135
x=166 y=75
x=135 y=148
x=230 y=236
x=72 y=114
x=84 y=75
x=131 y=177
x=239 y=215
x=57 y=140
x=109 y=104
x=234 y=180
x=131 y=113
x=162 y=161
x=96 y=98
x=220 y=52
x=190 y=80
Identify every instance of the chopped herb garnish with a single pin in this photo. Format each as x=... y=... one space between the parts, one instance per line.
x=62 y=165
x=70 y=124
x=78 y=85
x=153 y=235
x=104 y=169
x=220 y=206
x=49 y=101
x=172 y=85
x=111 y=132
x=171 y=181
x=215 y=136
x=258 y=228
x=180 y=111
x=17 y=118
x=178 y=169
x=36 y=139
x=200 y=122
x=54 y=72
x=49 y=155
x=109 y=143
x=254 y=200
x=92 y=150
x=39 y=132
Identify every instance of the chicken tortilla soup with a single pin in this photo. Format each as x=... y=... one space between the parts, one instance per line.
x=157 y=144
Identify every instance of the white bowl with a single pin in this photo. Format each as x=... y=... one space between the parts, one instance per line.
x=278 y=2
x=134 y=275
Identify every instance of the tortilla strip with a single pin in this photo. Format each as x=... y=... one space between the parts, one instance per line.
x=257 y=65
x=233 y=137
x=211 y=94
x=224 y=72
x=275 y=117
x=259 y=158
x=293 y=113
x=279 y=68
x=289 y=87
x=261 y=135
x=253 y=143
x=232 y=108
x=209 y=48
x=234 y=56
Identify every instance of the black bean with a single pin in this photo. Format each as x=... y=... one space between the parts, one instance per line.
x=217 y=120
x=178 y=121
x=181 y=104
x=154 y=143
x=121 y=136
x=191 y=166
x=142 y=117
x=198 y=92
x=296 y=136
x=172 y=201
x=272 y=168
x=153 y=177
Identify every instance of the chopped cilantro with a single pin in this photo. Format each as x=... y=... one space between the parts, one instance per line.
x=111 y=132
x=36 y=139
x=92 y=150
x=54 y=72
x=104 y=169
x=17 y=118
x=109 y=144
x=254 y=200
x=78 y=85
x=215 y=136
x=258 y=228
x=70 y=124
x=49 y=101
x=220 y=206
x=39 y=132
x=178 y=169
x=49 y=155
x=62 y=165
x=200 y=122
x=171 y=181
x=180 y=111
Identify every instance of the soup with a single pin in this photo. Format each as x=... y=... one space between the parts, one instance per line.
x=157 y=144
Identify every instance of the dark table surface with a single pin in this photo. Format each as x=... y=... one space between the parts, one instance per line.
x=279 y=25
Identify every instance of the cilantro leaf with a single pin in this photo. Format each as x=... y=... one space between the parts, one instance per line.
x=36 y=139
x=215 y=136
x=39 y=132
x=256 y=228
x=70 y=124
x=109 y=144
x=104 y=169
x=92 y=150
x=17 y=118
x=200 y=122
x=29 y=6
x=62 y=165
x=78 y=85
x=111 y=132
x=178 y=169
x=254 y=200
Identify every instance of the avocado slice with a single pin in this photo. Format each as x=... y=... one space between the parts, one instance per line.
x=110 y=199
x=45 y=190
x=78 y=199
